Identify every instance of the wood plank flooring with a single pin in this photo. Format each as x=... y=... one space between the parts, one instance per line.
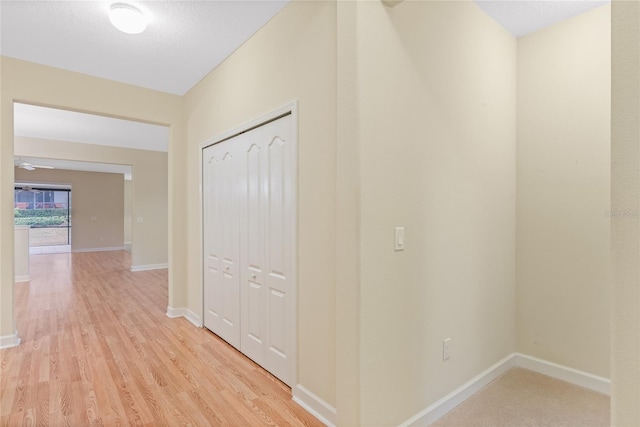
x=98 y=350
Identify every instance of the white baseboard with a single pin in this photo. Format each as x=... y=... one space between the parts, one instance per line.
x=21 y=279
x=7 y=341
x=109 y=249
x=53 y=249
x=564 y=373
x=314 y=405
x=173 y=312
x=147 y=267
x=193 y=318
x=583 y=379
x=435 y=411
x=186 y=313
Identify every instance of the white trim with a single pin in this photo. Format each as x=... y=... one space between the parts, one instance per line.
x=293 y=108
x=127 y=242
x=314 y=405
x=7 y=341
x=174 y=312
x=201 y=231
x=438 y=409
x=147 y=267
x=22 y=279
x=290 y=107
x=580 y=378
x=109 y=249
x=193 y=318
x=564 y=373
x=54 y=249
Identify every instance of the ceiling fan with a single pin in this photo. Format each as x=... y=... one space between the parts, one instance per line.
x=31 y=167
x=28 y=188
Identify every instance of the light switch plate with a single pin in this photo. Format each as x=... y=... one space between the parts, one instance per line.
x=399 y=245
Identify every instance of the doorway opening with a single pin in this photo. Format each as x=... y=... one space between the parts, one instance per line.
x=118 y=169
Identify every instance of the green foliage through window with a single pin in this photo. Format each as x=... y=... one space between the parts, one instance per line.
x=31 y=213
x=39 y=221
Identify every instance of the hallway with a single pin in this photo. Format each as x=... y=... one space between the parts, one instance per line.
x=98 y=349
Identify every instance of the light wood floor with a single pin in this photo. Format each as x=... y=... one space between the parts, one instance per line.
x=98 y=349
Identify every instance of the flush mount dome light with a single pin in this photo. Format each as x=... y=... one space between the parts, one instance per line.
x=127 y=18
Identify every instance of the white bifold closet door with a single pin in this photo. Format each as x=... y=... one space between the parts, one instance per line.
x=249 y=226
x=221 y=242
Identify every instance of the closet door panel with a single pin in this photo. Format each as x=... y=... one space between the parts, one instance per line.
x=279 y=247
x=253 y=250
x=221 y=242
x=212 y=250
x=230 y=249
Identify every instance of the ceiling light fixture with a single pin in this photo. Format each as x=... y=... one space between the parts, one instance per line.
x=127 y=18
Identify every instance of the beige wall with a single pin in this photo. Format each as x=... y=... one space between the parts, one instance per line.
x=22 y=268
x=347 y=221
x=99 y=195
x=563 y=167
x=128 y=209
x=436 y=128
x=625 y=203
x=291 y=58
x=149 y=189
x=31 y=83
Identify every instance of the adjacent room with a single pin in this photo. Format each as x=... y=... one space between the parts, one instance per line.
x=97 y=158
x=366 y=213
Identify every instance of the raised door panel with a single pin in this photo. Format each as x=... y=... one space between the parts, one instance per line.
x=252 y=231
x=211 y=162
x=230 y=249
x=277 y=137
x=221 y=242
x=266 y=229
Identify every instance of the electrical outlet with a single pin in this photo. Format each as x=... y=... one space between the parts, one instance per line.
x=445 y=349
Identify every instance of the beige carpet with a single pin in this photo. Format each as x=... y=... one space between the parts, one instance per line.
x=522 y=398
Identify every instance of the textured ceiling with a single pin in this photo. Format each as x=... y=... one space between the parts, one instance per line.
x=522 y=17
x=184 y=41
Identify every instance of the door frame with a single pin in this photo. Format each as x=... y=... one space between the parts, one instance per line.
x=290 y=108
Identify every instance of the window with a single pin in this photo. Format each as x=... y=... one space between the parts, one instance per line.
x=47 y=211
